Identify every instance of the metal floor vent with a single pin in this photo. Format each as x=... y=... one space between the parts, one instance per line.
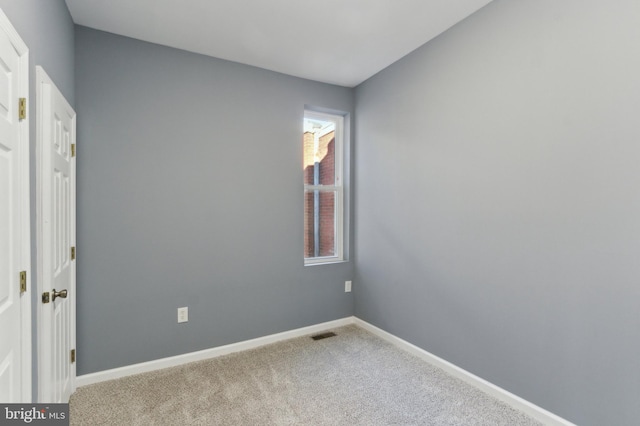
x=323 y=335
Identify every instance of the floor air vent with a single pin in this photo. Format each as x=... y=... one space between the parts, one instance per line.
x=323 y=335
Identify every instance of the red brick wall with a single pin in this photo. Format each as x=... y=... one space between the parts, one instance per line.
x=328 y=163
x=327 y=199
x=308 y=158
x=308 y=224
x=327 y=222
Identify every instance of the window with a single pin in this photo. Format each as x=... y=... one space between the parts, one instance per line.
x=323 y=141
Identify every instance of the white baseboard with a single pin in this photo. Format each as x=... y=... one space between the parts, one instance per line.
x=507 y=397
x=497 y=392
x=129 y=370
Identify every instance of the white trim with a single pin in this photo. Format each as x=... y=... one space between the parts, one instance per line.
x=116 y=373
x=341 y=144
x=41 y=324
x=25 y=299
x=505 y=396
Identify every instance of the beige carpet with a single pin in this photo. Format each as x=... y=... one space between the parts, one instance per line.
x=354 y=378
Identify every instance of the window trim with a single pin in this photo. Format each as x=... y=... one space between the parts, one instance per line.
x=338 y=187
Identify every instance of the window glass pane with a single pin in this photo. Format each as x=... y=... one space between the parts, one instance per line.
x=319 y=223
x=319 y=152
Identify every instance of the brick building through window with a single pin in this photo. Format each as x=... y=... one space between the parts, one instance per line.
x=319 y=205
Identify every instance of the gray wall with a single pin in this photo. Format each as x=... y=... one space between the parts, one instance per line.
x=497 y=217
x=190 y=194
x=47 y=30
x=497 y=202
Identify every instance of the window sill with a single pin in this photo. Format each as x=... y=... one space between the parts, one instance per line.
x=330 y=261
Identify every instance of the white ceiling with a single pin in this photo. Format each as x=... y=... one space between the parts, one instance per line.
x=342 y=42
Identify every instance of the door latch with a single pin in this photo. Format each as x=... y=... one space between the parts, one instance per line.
x=61 y=293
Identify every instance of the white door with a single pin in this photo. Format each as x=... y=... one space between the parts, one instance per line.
x=56 y=130
x=15 y=306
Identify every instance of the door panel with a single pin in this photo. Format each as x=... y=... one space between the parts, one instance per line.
x=56 y=196
x=14 y=220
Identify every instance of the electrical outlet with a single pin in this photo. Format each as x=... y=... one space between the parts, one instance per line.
x=183 y=314
x=347 y=286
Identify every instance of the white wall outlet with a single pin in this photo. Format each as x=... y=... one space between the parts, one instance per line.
x=347 y=286
x=183 y=314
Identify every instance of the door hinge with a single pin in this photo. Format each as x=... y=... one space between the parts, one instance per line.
x=22 y=108
x=73 y=149
x=23 y=281
x=45 y=297
x=73 y=253
x=73 y=356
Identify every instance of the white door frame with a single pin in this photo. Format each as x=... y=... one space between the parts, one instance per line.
x=44 y=253
x=25 y=253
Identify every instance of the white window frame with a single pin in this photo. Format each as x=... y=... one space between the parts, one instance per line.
x=338 y=187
